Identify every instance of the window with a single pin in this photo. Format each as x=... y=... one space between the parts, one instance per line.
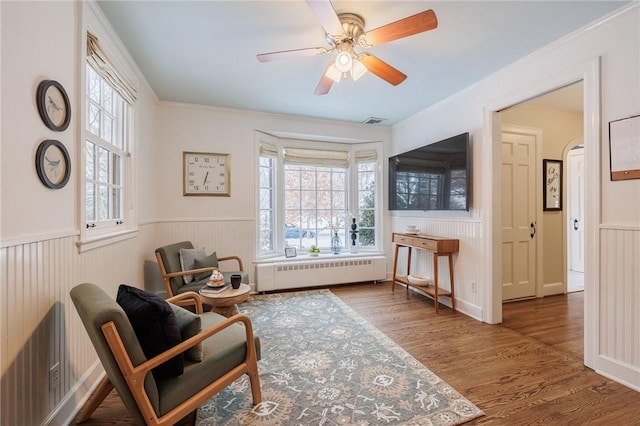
x=109 y=98
x=308 y=193
x=104 y=153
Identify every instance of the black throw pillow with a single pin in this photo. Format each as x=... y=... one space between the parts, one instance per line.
x=155 y=325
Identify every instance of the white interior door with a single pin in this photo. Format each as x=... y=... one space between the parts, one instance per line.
x=575 y=226
x=518 y=215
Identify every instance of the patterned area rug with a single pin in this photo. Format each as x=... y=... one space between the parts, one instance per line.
x=323 y=364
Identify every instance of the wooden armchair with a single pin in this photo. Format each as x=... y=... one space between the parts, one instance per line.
x=172 y=274
x=229 y=350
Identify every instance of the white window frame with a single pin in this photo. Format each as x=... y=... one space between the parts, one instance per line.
x=279 y=243
x=105 y=233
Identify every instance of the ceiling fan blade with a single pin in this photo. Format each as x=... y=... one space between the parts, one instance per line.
x=418 y=23
x=327 y=16
x=382 y=69
x=289 y=54
x=324 y=85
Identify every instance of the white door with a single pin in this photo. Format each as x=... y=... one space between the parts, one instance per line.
x=518 y=215
x=575 y=172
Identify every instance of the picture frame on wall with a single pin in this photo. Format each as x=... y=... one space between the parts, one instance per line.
x=552 y=185
x=624 y=148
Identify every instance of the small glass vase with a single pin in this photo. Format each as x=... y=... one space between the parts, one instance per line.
x=336 y=243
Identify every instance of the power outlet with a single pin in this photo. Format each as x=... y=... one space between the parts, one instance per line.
x=54 y=376
x=473 y=288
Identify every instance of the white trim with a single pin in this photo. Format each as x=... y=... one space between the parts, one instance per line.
x=618 y=227
x=105 y=240
x=622 y=370
x=550 y=289
x=589 y=73
x=75 y=399
x=36 y=238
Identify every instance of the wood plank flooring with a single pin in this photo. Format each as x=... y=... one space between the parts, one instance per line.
x=527 y=371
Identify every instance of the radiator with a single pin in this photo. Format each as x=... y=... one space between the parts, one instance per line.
x=318 y=272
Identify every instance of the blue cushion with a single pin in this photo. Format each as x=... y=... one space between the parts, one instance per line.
x=155 y=325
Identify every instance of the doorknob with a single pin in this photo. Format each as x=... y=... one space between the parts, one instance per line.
x=533 y=229
x=575 y=224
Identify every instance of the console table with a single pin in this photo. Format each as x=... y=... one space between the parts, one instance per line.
x=439 y=247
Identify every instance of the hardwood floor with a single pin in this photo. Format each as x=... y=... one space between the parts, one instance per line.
x=526 y=371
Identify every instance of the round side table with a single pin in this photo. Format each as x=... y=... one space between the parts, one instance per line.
x=226 y=302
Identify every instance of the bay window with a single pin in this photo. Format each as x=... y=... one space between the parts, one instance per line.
x=309 y=192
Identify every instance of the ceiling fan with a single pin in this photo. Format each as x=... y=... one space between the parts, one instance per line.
x=343 y=33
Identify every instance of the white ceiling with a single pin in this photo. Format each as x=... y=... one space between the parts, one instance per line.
x=204 y=52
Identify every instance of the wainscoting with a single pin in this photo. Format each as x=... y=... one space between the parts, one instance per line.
x=619 y=297
x=40 y=328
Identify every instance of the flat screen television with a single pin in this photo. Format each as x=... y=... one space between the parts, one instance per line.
x=434 y=177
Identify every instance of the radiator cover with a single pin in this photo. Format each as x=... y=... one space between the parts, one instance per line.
x=319 y=272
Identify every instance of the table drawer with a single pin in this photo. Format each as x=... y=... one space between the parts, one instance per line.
x=403 y=239
x=424 y=243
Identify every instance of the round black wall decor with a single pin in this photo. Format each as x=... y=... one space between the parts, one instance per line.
x=53 y=164
x=53 y=105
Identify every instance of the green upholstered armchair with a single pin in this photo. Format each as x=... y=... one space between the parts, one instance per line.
x=229 y=350
x=173 y=274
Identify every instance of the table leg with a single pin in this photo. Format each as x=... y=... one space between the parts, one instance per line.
x=435 y=281
x=395 y=268
x=453 y=294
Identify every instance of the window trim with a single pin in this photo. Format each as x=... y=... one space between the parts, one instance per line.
x=89 y=239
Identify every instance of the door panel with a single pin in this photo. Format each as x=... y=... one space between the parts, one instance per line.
x=576 y=210
x=518 y=216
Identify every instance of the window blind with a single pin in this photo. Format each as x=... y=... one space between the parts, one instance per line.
x=268 y=150
x=366 y=156
x=98 y=59
x=316 y=157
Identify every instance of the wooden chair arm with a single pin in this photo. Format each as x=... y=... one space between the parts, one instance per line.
x=134 y=376
x=190 y=272
x=236 y=258
x=191 y=296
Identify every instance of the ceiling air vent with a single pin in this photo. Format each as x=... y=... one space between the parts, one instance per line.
x=373 y=120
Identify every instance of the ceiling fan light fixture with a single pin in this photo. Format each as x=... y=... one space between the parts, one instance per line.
x=333 y=73
x=357 y=69
x=343 y=61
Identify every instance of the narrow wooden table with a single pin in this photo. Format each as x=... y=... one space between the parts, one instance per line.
x=226 y=302
x=439 y=247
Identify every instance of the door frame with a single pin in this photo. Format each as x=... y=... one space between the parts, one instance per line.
x=491 y=186
x=539 y=236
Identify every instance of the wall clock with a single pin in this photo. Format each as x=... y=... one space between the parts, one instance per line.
x=53 y=164
x=206 y=173
x=53 y=105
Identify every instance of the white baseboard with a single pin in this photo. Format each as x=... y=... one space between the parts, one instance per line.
x=551 y=289
x=69 y=407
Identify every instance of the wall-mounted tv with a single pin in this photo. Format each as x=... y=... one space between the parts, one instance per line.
x=434 y=177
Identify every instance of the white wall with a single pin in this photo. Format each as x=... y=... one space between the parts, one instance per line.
x=208 y=129
x=29 y=208
x=616 y=41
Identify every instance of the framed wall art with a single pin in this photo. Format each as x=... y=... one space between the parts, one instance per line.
x=290 y=252
x=552 y=185
x=53 y=105
x=624 y=148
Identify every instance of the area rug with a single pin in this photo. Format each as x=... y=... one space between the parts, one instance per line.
x=323 y=364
